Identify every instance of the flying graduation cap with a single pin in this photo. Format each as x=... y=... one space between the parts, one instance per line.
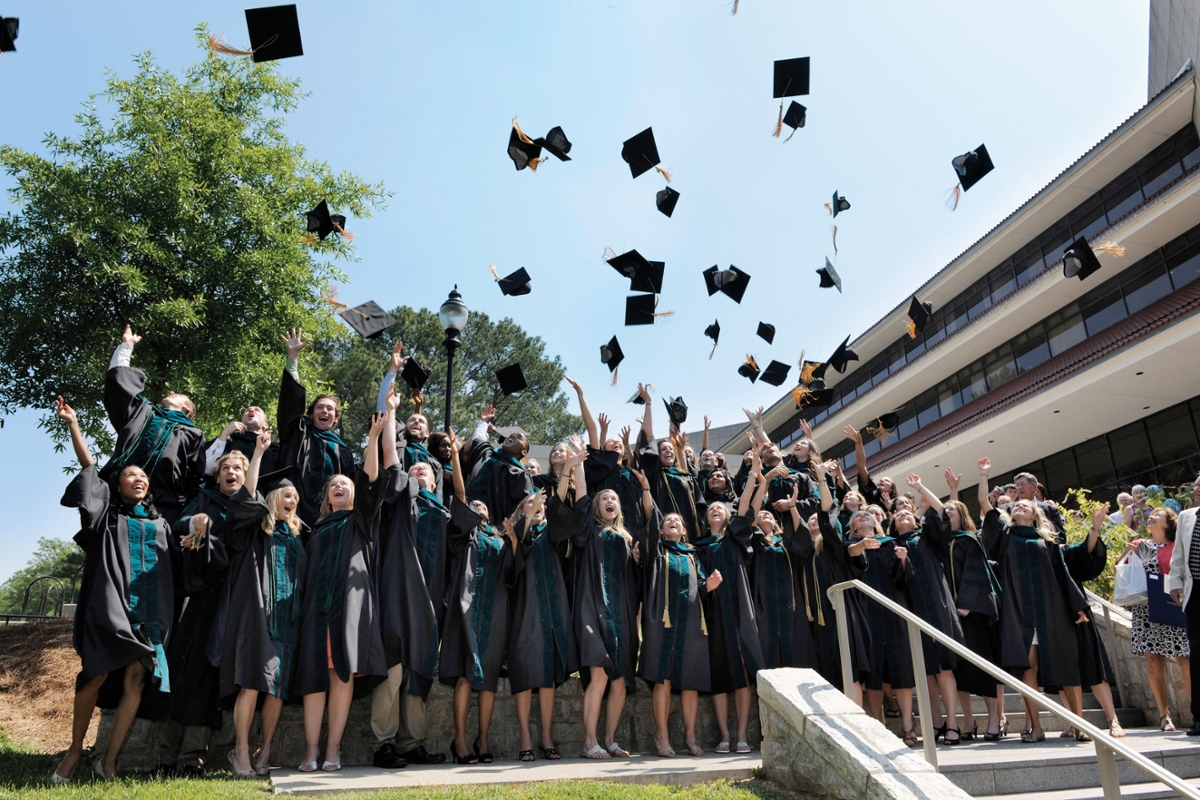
x=512 y=379
x=517 y=284
x=280 y=479
x=644 y=275
x=526 y=152
x=322 y=223
x=791 y=80
x=918 y=314
x=639 y=309
x=713 y=332
x=884 y=426
x=969 y=167
x=415 y=374
x=749 y=369
x=732 y=282
x=611 y=355
x=766 y=331
x=666 y=200
x=838 y=205
x=637 y=396
x=829 y=276
x=842 y=356
x=1079 y=259
x=794 y=118
x=676 y=410
x=369 y=319
x=641 y=154
x=776 y=373
x=274 y=34
x=811 y=397
x=8 y=34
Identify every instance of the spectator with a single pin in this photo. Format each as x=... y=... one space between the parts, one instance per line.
x=1124 y=501
x=1184 y=571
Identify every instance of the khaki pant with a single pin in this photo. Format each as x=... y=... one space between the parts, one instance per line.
x=181 y=745
x=396 y=715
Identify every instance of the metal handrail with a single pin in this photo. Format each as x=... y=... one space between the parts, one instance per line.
x=1107 y=604
x=1109 y=610
x=1106 y=746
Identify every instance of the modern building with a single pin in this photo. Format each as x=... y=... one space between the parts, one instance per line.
x=1088 y=383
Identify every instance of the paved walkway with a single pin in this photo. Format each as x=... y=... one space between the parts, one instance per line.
x=681 y=771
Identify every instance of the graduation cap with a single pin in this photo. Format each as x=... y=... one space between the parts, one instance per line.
x=809 y=370
x=641 y=154
x=644 y=276
x=369 y=319
x=794 y=119
x=776 y=373
x=639 y=309
x=1079 y=259
x=666 y=200
x=842 y=356
x=749 y=369
x=732 y=281
x=322 y=223
x=919 y=314
x=838 y=205
x=637 y=396
x=611 y=355
x=884 y=426
x=676 y=410
x=415 y=373
x=516 y=284
x=557 y=143
x=511 y=379
x=809 y=397
x=829 y=276
x=791 y=77
x=523 y=151
x=280 y=479
x=970 y=168
x=713 y=332
x=767 y=331
x=8 y=34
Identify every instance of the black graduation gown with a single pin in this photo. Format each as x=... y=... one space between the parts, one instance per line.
x=412 y=452
x=318 y=454
x=1042 y=597
x=541 y=647
x=674 y=629
x=808 y=497
x=126 y=599
x=891 y=656
x=1053 y=514
x=339 y=613
x=165 y=444
x=1094 y=666
x=674 y=491
x=735 y=652
x=477 y=615
x=831 y=566
x=245 y=443
x=411 y=577
x=785 y=637
x=603 y=470
x=976 y=589
x=263 y=598
x=928 y=592
x=604 y=607
x=496 y=478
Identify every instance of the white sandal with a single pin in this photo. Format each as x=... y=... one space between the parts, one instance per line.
x=722 y=748
x=598 y=753
x=744 y=747
x=616 y=751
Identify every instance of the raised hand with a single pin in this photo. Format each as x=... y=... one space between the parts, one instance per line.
x=418 y=399
x=821 y=467
x=749 y=414
x=232 y=428
x=714 y=580
x=262 y=441
x=707 y=422
x=455 y=444
x=539 y=502
x=641 y=476
x=489 y=413
x=129 y=337
x=625 y=431
x=604 y=421
x=574 y=385
x=780 y=471
x=392 y=399
x=1099 y=515
x=398 y=359
x=294 y=341
x=985 y=466
x=913 y=481
x=902 y=554
x=953 y=480
x=852 y=433
x=804 y=426
x=643 y=393
x=65 y=412
x=377 y=423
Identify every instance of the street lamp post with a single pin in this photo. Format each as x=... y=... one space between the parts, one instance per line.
x=453 y=316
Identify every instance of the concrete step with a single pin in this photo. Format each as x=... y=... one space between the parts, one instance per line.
x=1014 y=703
x=1130 y=718
x=1140 y=791
x=682 y=770
x=1010 y=768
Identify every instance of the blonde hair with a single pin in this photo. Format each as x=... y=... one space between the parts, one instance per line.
x=270 y=521
x=232 y=455
x=326 y=506
x=617 y=524
x=878 y=527
x=1041 y=524
x=819 y=540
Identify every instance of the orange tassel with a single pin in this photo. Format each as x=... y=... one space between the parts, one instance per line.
x=664 y=173
x=1112 y=248
x=616 y=372
x=345 y=233
x=799 y=393
x=308 y=239
x=217 y=43
x=955 y=196
x=751 y=362
x=779 y=123
x=533 y=163
x=495 y=275
x=879 y=432
x=520 y=133
x=829 y=208
x=911 y=327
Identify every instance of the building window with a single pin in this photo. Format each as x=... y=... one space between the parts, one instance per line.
x=1095 y=464
x=999 y=368
x=1121 y=196
x=1107 y=309
x=1066 y=333
x=1145 y=284
x=1171 y=435
x=1183 y=260
x=1164 y=169
x=1131 y=448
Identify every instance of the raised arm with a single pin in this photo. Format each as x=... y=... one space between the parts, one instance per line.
x=749 y=490
x=574 y=462
x=914 y=483
x=261 y=443
x=647 y=501
x=626 y=448
x=460 y=486
x=648 y=417
x=822 y=469
x=391 y=457
x=371 y=456
x=707 y=425
x=389 y=378
x=985 y=501
x=1099 y=517
x=67 y=414
x=589 y=421
x=793 y=501
x=953 y=482
x=860 y=455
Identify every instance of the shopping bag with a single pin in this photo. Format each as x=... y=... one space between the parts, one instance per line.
x=1129 y=588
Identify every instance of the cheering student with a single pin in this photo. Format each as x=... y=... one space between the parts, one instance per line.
x=497 y=478
x=1040 y=639
x=241 y=436
x=339 y=619
x=672 y=488
x=735 y=652
x=541 y=649
x=438 y=445
x=307 y=439
x=264 y=589
x=413 y=438
x=604 y=468
x=126 y=600
x=882 y=492
x=793 y=471
x=162 y=440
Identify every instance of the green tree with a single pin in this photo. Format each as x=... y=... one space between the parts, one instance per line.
x=355 y=366
x=56 y=558
x=183 y=215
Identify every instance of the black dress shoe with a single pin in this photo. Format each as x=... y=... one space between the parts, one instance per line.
x=386 y=757
x=419 y=755
x=191 y=771
x=1195 y=729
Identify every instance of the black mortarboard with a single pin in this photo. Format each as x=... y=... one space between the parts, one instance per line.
x=829 y=276
x=795 y=116
x=713 y=331
x=919 y=313
x=322 y=223
x=644 y=276
x=839 y=204
x=636 y=399
x=811 y=397
x=522 y=152
x=280 y=479
x=557 y=143
x=676 y=410
x=767 y=331
x=666 y=200
x=844 y=354
x=517 y=284
x=732 y=282
x=640 y=152
x=274 y=32
x=883 y=425
x=1078 y=260
x=749 y=369
x=639 y=309
x=368 y=319
x=776 y=373
x=511 y=379
x=415 y=373
x=791 y=77
x=972 y=166
x=809 y=370
x=8 y=34
x=611 y=354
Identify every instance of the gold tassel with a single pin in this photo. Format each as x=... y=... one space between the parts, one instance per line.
x=911 y=327
x=345 y=233
x=609 y=254
x=664 y=173
x=779 y=123
x=799 y=393
x=879 y=432
x=217 y=43
x=616 y=372
x=807 y=606
x=1110 y=247
x=790 y=135
x=955 y=196
x=835 y=240
x=533 y=163
x=829 y=208
x=820 y=607
x=658 y=313
x=791 y=576
x=495 y=275
x=308 y=239
x=520 y=133
x=751 y=362
x=667 y=590
x=331 y=298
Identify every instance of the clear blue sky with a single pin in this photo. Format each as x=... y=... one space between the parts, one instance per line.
x=419 y=95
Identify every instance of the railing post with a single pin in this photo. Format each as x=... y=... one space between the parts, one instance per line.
x=1107 y=762
x=843 y=630
x=924 y=706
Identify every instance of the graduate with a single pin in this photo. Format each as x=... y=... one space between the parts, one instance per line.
x=126 y=600
x=263 y=597
x=606 y=466
x=412 y=438
x=1038 y=641
x=339 y=615
x=497 y=477
x=672 y=487
x=307 y=438
x=735 y=652
x=541 y=647
x=881 y=493
x=161 y=439
x=438 y=444
x=795 y=472
x=241 y=436
x=477 y=618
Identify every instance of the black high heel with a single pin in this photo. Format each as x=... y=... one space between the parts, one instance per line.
x=940 y=732
x=969 y=736
x=467 y=759
x=957 y=736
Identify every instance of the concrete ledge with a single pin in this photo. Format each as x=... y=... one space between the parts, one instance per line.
x=818 y=742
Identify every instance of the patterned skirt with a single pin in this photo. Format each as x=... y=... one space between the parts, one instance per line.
x=1153 y=637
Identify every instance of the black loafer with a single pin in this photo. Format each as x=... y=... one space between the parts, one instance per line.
x=386 y=757
x=1194 y=730
x=419 y=755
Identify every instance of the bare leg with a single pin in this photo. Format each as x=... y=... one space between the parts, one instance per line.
x=935 y=701
x=721 y=710
x=661 y=701
x=1184 y=663
x=487 y=701
x=904 y=698
x=948 y=688
x=993 y=710
x=1031 y=680
x=968 y=713
x=81 y=718
x=858 y=694
x=131 y=698
x=689 y=700
x=314 y=715
x=524 y=702
x=340 y=696
x=741 y=702
x=1103 y=693
x=546 y=707
x=462 y=704
x=271 y=710
x=875 y=703
x=612 y=712
x=243 y=716
x=1156 y=666
x=591 y=705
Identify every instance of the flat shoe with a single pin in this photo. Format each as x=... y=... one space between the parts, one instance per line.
x=722 y=748
x=695 y=751
x=616 y=751
x=597 y=752
x=668 y=753
x=57 y=779
x=743 y=747
x=232 y=757
x=550 y=754
x=1068 y=732
x=1115 y=730
x=308 y=766
x=331 y=766
x=98 y=768
x=264 y=769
